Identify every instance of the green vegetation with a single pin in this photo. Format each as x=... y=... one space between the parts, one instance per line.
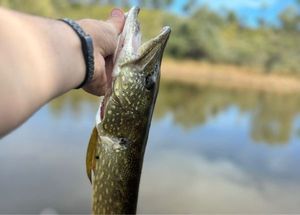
x=222 y=39
x=201 y=35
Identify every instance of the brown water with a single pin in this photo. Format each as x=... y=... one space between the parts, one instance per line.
x=209 y=150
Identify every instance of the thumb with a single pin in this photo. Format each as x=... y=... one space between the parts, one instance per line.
x=117 y=19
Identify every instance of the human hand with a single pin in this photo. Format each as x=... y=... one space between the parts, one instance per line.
x=105 y=37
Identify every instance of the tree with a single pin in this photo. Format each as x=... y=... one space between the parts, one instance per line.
x=189 y=6
x=231 y=18
x=156 y=4
x=290 y=19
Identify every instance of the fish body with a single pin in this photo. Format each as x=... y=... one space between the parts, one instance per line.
x=117 y=145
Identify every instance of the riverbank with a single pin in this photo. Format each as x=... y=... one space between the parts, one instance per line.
x=227 y=76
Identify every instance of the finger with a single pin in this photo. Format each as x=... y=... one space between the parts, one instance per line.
x=117 y=19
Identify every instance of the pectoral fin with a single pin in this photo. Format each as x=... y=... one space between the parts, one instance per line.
x=90 y=155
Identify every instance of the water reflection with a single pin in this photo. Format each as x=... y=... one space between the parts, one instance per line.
x=216 y=168
x=75 y=102
x=202 y=155
x=272 y=115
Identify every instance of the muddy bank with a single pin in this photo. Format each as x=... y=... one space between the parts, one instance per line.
x=227 y=76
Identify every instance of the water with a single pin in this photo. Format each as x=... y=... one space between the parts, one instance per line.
x=209 y=150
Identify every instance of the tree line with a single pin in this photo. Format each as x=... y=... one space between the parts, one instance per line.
x=200 y=34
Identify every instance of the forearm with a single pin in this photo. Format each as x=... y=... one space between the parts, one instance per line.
x=39 y=60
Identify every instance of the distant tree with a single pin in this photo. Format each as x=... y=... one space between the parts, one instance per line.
x=143 y=3
x=189 y=6
x=261 y=20
x=44 y=7
x=156 y=4
x=5 y=3
x=198 y=36
x=125 y=3
x=290 y=19
x=231 y=17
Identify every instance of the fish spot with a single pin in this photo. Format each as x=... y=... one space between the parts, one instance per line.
x=101 y=175
x=127 y=99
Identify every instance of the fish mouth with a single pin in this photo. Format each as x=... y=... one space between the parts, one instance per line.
x=153 y=48
x=130 y=47
x=130 y=50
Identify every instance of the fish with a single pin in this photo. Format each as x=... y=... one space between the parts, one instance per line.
x=117 y=145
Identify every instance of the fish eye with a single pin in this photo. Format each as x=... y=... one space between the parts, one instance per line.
x=149 y=82
x=124 y=141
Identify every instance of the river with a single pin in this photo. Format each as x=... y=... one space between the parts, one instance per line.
x=210 y=150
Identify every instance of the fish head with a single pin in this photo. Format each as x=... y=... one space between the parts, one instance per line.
x=137 y=66
x=129 y=104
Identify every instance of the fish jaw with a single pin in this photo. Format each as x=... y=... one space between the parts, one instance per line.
x=150 y=53
x=129 y=40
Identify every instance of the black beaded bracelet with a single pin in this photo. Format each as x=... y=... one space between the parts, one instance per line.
x=87 y=49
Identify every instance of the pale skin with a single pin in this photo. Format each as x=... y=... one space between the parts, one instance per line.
x=41 y=59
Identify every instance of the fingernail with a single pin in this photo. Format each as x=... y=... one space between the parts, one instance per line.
x=116 y=12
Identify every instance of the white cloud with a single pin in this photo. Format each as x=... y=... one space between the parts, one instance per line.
x=171 y=183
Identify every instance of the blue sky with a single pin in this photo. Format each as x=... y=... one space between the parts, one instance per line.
x=247 y=10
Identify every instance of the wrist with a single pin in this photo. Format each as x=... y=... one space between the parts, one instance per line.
x=70 y=57
x=87 y=49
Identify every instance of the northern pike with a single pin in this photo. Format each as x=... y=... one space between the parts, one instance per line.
x=117 y=145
